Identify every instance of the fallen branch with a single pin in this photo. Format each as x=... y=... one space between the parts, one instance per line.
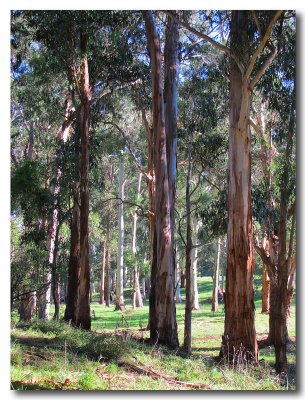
x=156 y=375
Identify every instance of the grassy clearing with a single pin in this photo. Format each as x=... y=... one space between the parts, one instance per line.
x=50 y=355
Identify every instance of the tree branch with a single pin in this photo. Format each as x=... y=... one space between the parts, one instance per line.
x=179 y=227
x=131 y=204
x=108 y=89
x=139 y=166
x=262 y=46
x=264 y=256
x=211 y=183
x=213 y=42
x=257 y=23
x=263 y=68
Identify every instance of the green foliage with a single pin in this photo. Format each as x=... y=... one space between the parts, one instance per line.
x=28 y=192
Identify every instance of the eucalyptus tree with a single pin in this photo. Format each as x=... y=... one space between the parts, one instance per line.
x=275 y=126
x=249 y=40
x=162 y=318
x=203 y=146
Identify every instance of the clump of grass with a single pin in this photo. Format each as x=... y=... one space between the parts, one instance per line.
x=17 y=357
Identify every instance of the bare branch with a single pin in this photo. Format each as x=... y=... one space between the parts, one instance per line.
x=213 y=42
x=257 y=23
x=108 y=89
x=146 y=214
x=211 y=183
x=262 y=45
x=256 y=127
x=263 y=68
x=145 y=121
x=197 y=184
x=179 y=227
x=139 y=166
x=265 y=257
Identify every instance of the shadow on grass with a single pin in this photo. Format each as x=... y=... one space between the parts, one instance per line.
x=38 y=342
x=19 y=385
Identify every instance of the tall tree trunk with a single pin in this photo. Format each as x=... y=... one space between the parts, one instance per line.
x=119 y=300
x=171 y=76
x=239 y=333
x=187 y=344
x=290 y=287
x=73 y=265
x=162 y=304
x=55 y=279
x=265 y=290
x=45 y=295
x=102 y=281
x=107 y=287
x=182 y=278
x=83 y=318
x=223 y=269
x=178 y=292
x=107 y=276
x=194 y=272
x=136 y=293
x=216 y=279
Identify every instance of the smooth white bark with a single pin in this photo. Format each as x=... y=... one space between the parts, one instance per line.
x=120 y=258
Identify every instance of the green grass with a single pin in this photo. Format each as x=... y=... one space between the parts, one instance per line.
x=50 y=355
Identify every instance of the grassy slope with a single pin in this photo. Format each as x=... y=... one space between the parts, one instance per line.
x=55 y=356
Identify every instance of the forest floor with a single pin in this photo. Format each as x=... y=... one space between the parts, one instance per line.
x=48 y=355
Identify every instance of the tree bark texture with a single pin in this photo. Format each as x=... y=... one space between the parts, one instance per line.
x=83 y=318
x=239 y=334
x=164 y=328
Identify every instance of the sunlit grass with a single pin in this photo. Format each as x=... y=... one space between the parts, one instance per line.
x=50 y=355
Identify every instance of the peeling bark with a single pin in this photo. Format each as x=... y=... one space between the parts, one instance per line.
x=239 y=334
x=163 y=326
x=83 y=318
